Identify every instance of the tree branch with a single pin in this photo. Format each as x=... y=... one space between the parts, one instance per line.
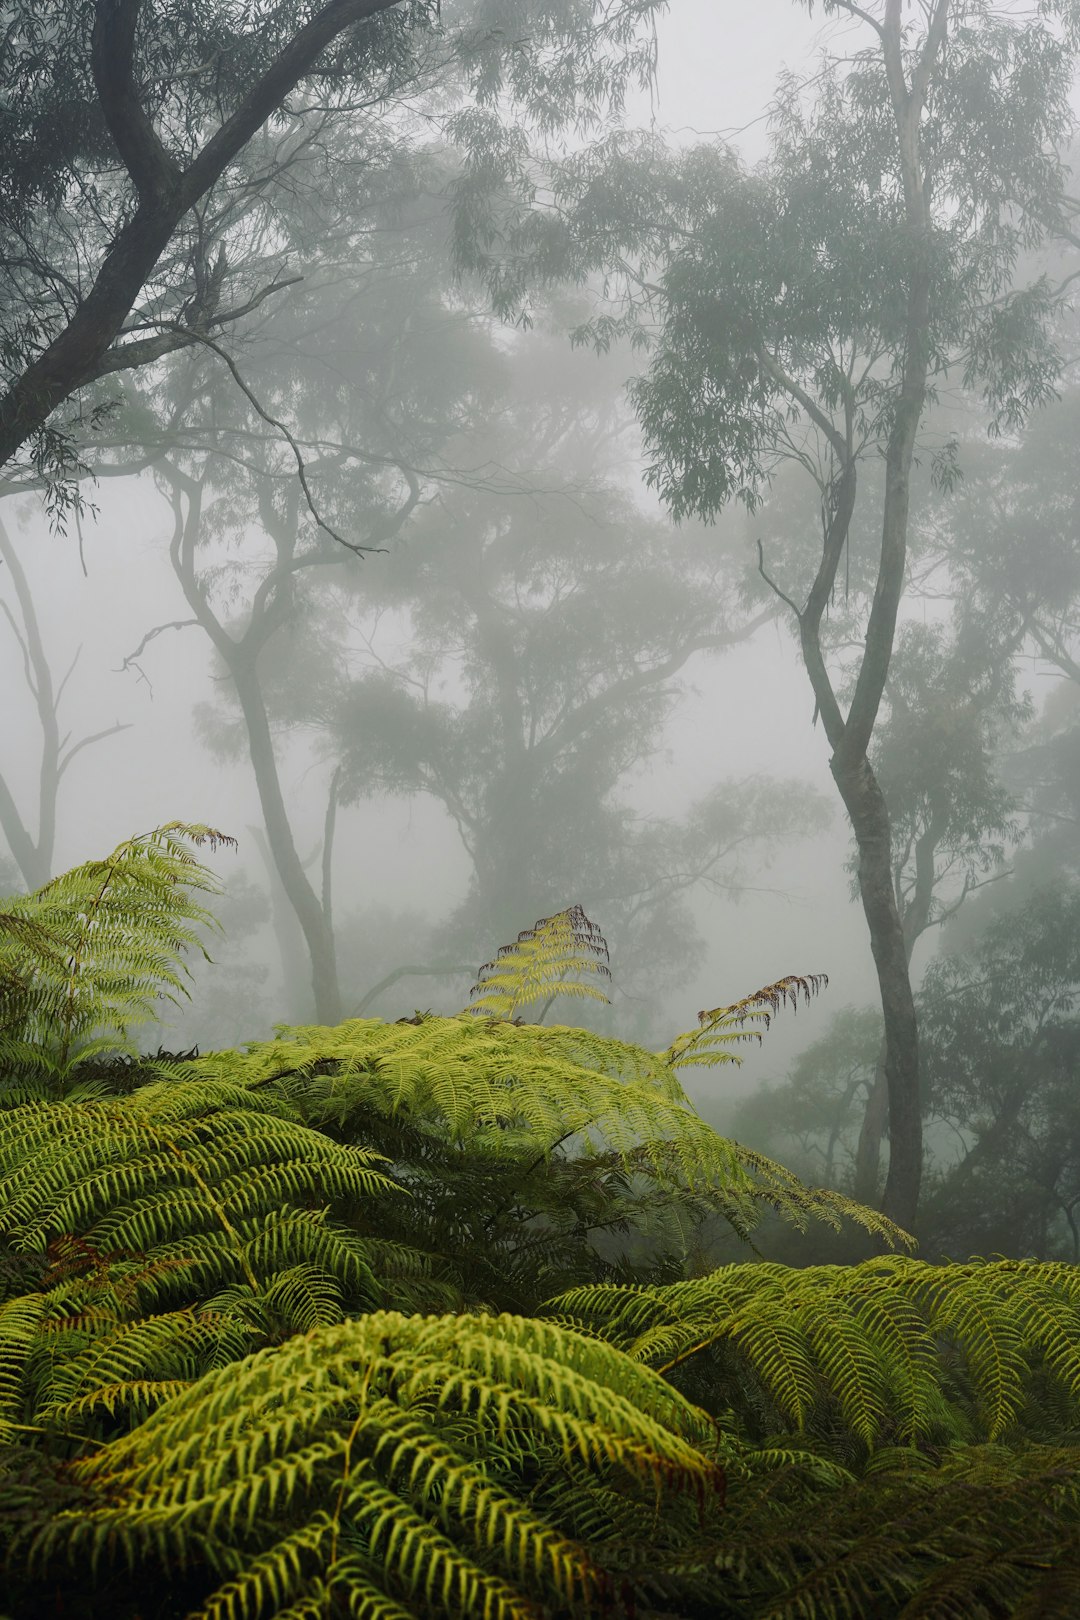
x=451 y=970
x=286 y=434
x=267 y=94
x=69 y=361
x=144 y=351
x=771 y=583
x=88 y=742
x=857 y=11
x=155 y=175
x=130 y=661
x=810 y=405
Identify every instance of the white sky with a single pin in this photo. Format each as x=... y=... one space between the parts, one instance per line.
x=719 y=62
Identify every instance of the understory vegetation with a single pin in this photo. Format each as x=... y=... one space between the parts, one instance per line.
x=425 y=1319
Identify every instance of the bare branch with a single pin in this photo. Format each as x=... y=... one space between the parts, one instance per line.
x=23 y=648
x=88 y=742
x=151 y=635
x=287 y=435
x=171 y=338
x=771 y=583
x=857 y=11
x=450 y=970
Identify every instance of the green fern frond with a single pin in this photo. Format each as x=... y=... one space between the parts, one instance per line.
x=388 y=1449
x=504 y=1090
x=20 y=1323
x=141 y=1209
x=87 y=957
x=898 y=1349
x=724 y=1027
x=557 y=956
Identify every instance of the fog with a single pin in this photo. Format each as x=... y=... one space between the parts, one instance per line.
x=113 y=617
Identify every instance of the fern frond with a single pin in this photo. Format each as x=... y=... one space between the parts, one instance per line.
x=87 y=957
x=20 y=1322
x=388 y=1448
x=897 y=1349
x=557 y=956
x=510 y=1092
x=724 y=1027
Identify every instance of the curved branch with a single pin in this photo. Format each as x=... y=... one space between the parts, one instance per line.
x=154 y=173
x=451 y=970
x=281 y=427
x=171 y=339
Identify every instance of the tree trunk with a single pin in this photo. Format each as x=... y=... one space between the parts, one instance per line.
x=865 y=804
x=295 y=1007
x=871 y=1133
x=33 y=856
x=318 y=935
x=240 y=657
x=916 y=920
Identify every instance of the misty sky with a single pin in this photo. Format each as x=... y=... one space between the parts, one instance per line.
x=719 y=60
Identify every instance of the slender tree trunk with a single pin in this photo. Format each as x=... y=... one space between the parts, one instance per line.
x=871 y=1134
x=33 y=856
x=318 y=935
x=292 y=947
x=915 y=919
x=850 y=734
x=240 y=657
x=869 y=817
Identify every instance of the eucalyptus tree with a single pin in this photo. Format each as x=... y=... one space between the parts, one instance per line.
x=952 y=718
x=809 y=309
x=132 y=224
x=547 y=629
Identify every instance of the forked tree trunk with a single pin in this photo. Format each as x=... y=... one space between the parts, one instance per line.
x=240 y=655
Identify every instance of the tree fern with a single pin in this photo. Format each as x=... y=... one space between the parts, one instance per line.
x=722 y=1028
x=506 y=1090
x=200 y=1368
x=180 y=1205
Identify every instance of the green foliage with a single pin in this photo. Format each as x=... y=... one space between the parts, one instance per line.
x=86 y=958
x=555 y=957
x=518 y=1096
x=384 y=1462
x=785 y=295
x=894 y=1351
x=168 y=1229
x=218 y=1358
x=723 y=1027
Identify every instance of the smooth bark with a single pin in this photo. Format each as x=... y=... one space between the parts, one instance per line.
x=33 y=851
